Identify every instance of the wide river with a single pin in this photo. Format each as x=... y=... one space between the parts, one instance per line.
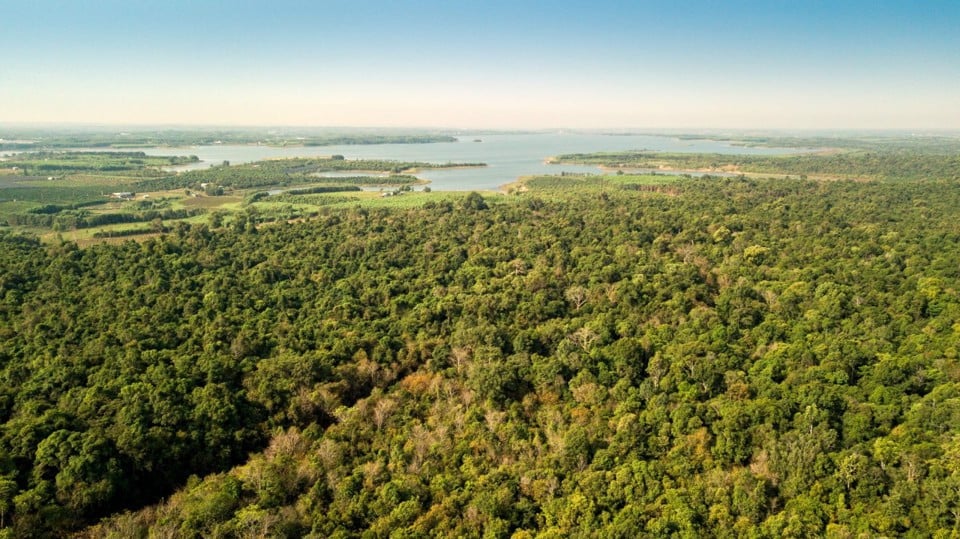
x=508 y=156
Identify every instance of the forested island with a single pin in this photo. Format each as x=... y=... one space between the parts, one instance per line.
x=614 y=356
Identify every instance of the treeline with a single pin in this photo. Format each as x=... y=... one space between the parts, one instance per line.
x=76 y=219
x=260 y=195
x=375 y=139
x=128 y=232
x=847 y=164
x=50 y=209
x=357 y=181
x=323 y=189
x=775 y=358
x=315 y=199
x=338 y=164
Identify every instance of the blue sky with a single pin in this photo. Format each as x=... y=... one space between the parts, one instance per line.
x=496 y=64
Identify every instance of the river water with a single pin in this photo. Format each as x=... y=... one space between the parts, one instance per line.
x=508 y=156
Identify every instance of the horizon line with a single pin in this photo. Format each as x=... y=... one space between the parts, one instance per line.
x=624 y=128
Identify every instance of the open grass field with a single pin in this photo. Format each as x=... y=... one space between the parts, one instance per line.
x=210 y=203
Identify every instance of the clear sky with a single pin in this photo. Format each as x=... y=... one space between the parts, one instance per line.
x=484 y=64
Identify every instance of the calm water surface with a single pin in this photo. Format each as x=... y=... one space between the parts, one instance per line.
x=508 y=156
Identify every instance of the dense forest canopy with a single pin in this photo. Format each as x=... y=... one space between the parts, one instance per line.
x=723 y=357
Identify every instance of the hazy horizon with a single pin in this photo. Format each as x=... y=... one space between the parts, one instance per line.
x=749 y=65
x=293 y=130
